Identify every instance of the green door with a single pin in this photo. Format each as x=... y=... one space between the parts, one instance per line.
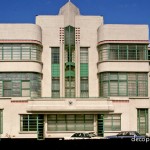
x=100 y=125
x=40 y=127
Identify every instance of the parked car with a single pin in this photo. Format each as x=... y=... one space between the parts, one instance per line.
x=82 y=135
x=126 y=135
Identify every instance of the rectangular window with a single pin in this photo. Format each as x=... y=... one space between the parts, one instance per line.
x=7 y=52
x=70 y=122
x=123 y=52
x=1 y=121
x=20 y=85
x=26 y=52
x=55 y=56
x=7 y=88
x=142 y=121
x=112 y=122
x=84 y=86
x=123 y=84
x=55 y=87
x=25 y=88
x=28 y=122
x=20 y=52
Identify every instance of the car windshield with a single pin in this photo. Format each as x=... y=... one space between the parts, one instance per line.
x=92 y=134
x=128 y=133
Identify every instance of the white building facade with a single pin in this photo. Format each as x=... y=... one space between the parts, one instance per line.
x=69 y=73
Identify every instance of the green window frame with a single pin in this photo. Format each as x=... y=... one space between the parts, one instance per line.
x=20 y=85
x=112 y=122
x=25 y=88
x=123 y=84
x=70 y=122
x=20 y=52
x=7 y=88
x=84 y=83
x=55 y=87
x=1 y=121
x=55 y=64
x=123 y=52
x=84 y=87
x=28 y=122
x=142 y=120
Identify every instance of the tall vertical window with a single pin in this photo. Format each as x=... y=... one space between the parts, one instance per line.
x=7 y=88
x=84 y=88
x=142 y=121
x=55 y=57
x=25 y=88
x=69 y=46
x=1 y=121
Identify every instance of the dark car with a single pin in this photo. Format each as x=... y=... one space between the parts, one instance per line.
x=126 y=135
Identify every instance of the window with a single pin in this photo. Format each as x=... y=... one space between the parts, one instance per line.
x=1 y=121
x=70 y=87
x=123 y=84
x=28 y=122
x=142 y=121
x=25 y=88
x=7 y=88
x=112 y=122
x=123 y=52
x=55 y=72
x=70 y=122
x=20 y=52
x=55 y=87
x=55 y=55
x=84 y=87
x=20 y=85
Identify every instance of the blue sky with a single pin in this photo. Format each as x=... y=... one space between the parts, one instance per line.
x=114 y=11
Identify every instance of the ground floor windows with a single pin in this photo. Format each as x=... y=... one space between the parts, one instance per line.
x=112 y=122
x=20 y=85
x=142 y=121
x=123 y=84
x=70 y=122
x=28 y=122
x=1 y=121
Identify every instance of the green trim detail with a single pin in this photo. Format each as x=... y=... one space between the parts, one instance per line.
x=55 y=70
x=83 y=70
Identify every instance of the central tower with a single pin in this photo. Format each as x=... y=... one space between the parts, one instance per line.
x=69 y=11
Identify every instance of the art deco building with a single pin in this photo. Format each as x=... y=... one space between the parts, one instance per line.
x=69 y=72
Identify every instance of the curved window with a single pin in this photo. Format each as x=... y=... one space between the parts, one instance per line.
x=20 y=85
x=20 y=52
x=123 y=84
x=123 y=52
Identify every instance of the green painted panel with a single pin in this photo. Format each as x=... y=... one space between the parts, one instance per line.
x=83 y=70
x=70 y=73
x=70 y=64
x=55 y=70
